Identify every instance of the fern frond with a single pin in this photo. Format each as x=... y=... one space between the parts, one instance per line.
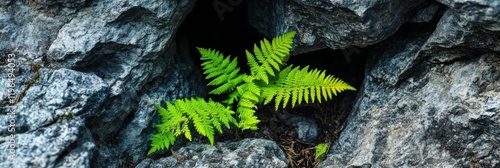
x=161 y=142
x=268 y=81
x=297 y=85
x=199 y=116
x=187 y=131
x=269 y=57
x=223 y=71
x=204 y=116
x=247 y=105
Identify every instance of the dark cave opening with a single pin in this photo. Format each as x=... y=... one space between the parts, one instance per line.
x=230 y=35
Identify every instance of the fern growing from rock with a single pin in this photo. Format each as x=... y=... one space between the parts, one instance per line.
x=270 y=79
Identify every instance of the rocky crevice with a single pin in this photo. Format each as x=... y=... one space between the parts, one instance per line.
x=429 y=96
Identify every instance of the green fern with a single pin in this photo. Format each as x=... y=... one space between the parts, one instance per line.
x=268 y=81
x=247 y=106
x=177 y=118
x=269 y=57
x=297 y=85
x=222 y=71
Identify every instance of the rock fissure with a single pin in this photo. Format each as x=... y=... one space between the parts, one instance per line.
x=427 y=74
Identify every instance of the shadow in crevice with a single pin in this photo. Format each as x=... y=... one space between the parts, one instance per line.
x=231 y=36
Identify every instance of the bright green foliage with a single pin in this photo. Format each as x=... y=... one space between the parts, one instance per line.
x=177 y=119
x=297 y=85
x=269 y=56
x=268 y=81
x=247 y=105
x=222 y=70
x=321 y=150
x=160 y=141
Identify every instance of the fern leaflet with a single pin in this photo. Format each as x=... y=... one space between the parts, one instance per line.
x=222 y=71
x=250 y=94
x=161 y=141
x=269 y=57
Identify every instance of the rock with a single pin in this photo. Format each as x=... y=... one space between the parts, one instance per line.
x=462 y=36
x=180 y=82
x=87 y=73
x=430 y=99
x=307 y=129
x=244 y=153
x=107 y=62
x=45 y=135
x=336 y=24
x=58 y=92
x=427 y=13
x=482 y=12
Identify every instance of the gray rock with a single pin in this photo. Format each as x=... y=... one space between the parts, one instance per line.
x=428 y=100
x=179 y=83
x=58 y=92
x=45 y=135
x=28 y=31
x=483 y=12
x=66 y=143
x=46 y=4
x=426 y=13
x=307 y=129
x=5 y=2
x=462 y=36
x=336 y=24
x=106 y=62
x=244 y=153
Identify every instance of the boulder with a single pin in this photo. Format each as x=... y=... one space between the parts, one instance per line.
x=430 y=96
x=429 y=99
x=86 y=75
x=244 y=153
x=49 y=120
x=485 y=13
x=336 y=24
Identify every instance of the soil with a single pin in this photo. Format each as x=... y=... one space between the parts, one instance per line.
x=330 y=123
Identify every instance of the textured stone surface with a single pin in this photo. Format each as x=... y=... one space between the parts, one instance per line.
x=307 y=129
x=453 y=125
x=45 y=135
x=244 y=153
x=336 y=24
x=483 y=12
x=106 y=62
x=183 y=80
x=455 y=37
x=57 y=92
x=430 y=95
x=429 y=99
